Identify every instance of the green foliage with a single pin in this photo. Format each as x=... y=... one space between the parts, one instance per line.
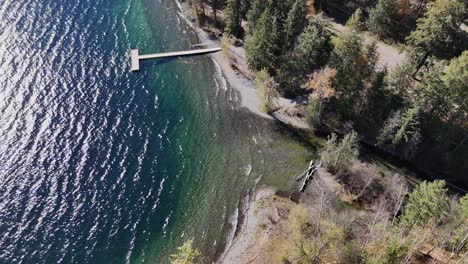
x=439 y=32
x=355 y=64
x=381 y=18
x=428 y=201
x=402 y=128
x=409 y=130
x=337 y=155
x=312 y=51
x=314 y=111
x=261 y=47
x=444 y=90
x=233 y=18
x=395 y=251
x=186 y=254
x=399 y=81
x=352 y=254
x=456 y=81
x=255 y=12
x=390 y=127
x=460 y=225
x=314 y=47
x=266 y=84
x=295 y=22
x=355 y=21
x=433 y=94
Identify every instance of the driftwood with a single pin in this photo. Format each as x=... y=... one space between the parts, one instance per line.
x=313 y=168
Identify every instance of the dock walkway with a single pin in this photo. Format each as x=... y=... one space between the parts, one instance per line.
x=136 y=57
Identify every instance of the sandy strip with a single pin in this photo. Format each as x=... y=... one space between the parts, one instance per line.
x=250 y=97
x=241 y=247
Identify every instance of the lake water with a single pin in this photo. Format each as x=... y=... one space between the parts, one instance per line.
x=100 y=165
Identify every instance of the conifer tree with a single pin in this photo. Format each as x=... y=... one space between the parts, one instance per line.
x=312 y=51
x=456 y=81
x=255 y=12
x=354 y=22
x=355 y=64
x=381 y=17
x=261 y=47
x=295 y=22
x=233 y=18
x=186 y=254
x=428 y=201
x=439 y=32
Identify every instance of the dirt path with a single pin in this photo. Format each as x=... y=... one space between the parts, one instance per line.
x=388 y=56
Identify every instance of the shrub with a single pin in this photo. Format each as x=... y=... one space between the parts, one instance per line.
x=186 y=254
x=337 y=155
x=428 y=201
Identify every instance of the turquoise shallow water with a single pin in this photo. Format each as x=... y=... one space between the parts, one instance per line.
x=100 y=165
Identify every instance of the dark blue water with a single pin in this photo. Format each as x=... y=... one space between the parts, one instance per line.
x=100 y=165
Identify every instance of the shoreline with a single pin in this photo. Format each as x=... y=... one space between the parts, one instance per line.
x=289 y=114
x=250 y=98
x=239 y=76
x=249 y=94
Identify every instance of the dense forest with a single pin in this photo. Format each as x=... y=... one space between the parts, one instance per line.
x=416 y=111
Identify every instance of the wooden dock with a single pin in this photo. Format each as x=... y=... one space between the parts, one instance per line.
x=136 y=57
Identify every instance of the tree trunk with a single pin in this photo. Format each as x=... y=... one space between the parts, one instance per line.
x=420 y=65
x=213 y=6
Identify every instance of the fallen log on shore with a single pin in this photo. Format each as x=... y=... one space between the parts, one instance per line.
x=310 y=172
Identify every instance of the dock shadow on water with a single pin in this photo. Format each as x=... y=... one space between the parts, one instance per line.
x=149 y=64
x=100 y=165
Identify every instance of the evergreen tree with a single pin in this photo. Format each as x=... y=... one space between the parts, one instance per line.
x=433 y=95
x=261 y=47
x=295 y=22
x=439 y=32
x=337 y=155
x=459 y=226
x=355 y=64
x=381 y=17
x=409 y=132
x=186 y=254
x=456 y=81
x=428 y=201
x=354 y=22
x=312 y=51
x=213 y=7
x=444 y=90
x=233 y=18
x=255 y=12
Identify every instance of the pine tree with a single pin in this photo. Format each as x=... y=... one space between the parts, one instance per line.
x=354 y=22
x=337 y=155
x=433 y=95
x=186 y=254
x=295 y=22
x=312 y=51
x=381 y=17
x=439 y=32
x=428 y=201
x=213 y=7
x=456 y=80
x=255 y=12
x=459 y=226
x=233 y=18
x=261 y=47
x=349 y=58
